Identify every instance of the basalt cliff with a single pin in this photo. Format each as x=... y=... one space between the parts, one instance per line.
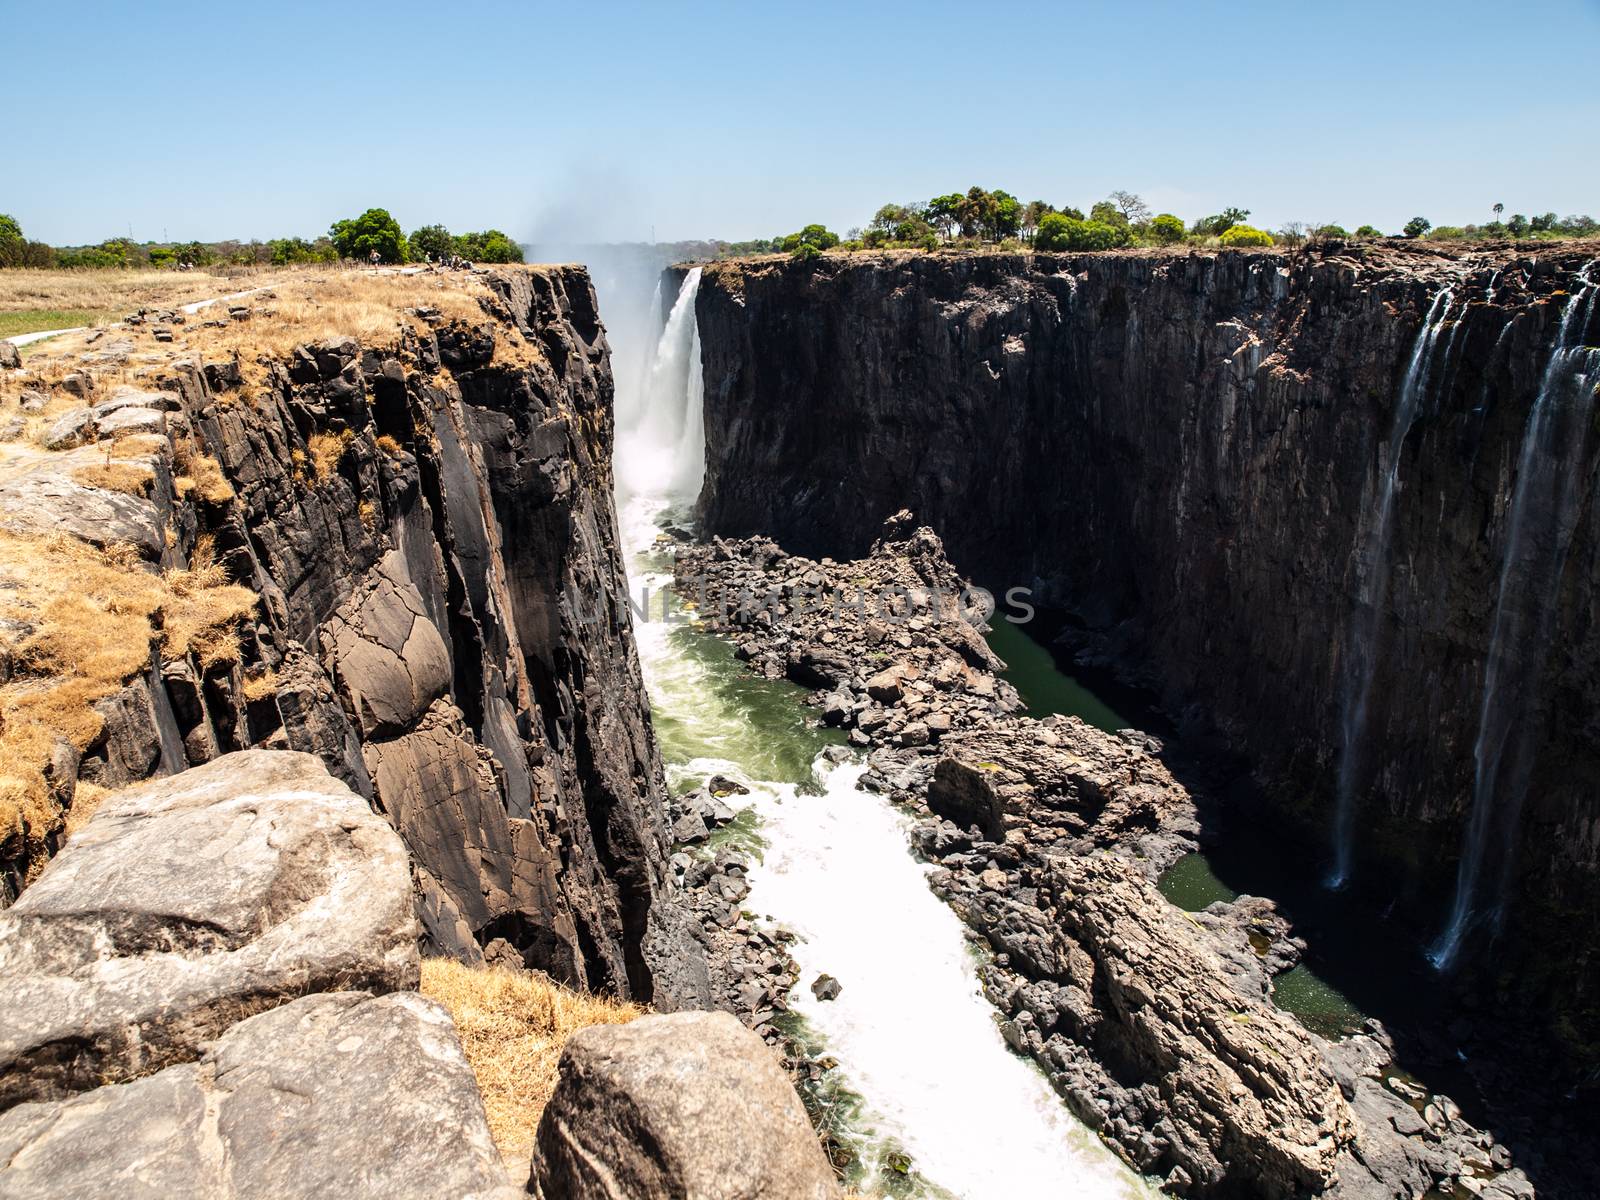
x=416 y=535
x=1187 y=454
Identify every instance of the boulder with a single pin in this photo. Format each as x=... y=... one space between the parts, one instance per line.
x=966 y=795
x=42 y=495
x=186 y=905
x=826 y=987
x=70 y=428
x=339 y=1094
x=10 y=357
x=686 y=1105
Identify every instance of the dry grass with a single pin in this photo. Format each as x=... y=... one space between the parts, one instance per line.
x=86 y=800
x=512 y=1028
x=390 y=446
x=326 y=451
x=80 y=622
x=341 y=303
x=108 y=295
x=260 y=683
x=199 y=474
x=117 y=477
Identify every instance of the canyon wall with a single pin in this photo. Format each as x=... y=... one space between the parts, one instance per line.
x=427 y=523
x=1184 y=451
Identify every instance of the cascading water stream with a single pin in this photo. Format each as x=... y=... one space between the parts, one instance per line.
x=1361 y=652
x=914 y=1036
x=1539 y=527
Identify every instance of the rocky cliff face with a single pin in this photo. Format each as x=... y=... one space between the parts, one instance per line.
x=1184 y=451
x=426 y=519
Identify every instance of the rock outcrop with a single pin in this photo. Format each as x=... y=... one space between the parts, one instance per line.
x=1156 y=1025
x=190 y=1005
x=333 y=1095
x=1180 y=448
x=426 y=520
x=188 y=904
x=686 y=1105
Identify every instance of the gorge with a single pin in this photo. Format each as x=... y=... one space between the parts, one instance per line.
x=673 y=698
x=1308 y=503
x=1212 y=463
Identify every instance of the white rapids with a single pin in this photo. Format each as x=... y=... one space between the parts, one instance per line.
x=913 y=1035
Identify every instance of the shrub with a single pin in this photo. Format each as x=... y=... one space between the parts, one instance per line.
x=1057 y=231
x=1417 y=226
x=1167 y=229
x=1368 y=231
x=490 y=246
x=1245 y=235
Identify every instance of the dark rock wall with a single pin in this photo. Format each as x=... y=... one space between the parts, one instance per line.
x=443 y=623
x=1180 y=449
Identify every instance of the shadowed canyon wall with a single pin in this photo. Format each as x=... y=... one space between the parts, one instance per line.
x=428 y=524
x=1185 y=450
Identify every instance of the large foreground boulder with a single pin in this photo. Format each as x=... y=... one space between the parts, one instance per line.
x=188 y=904
x=334 y=1095
x=690 y=1106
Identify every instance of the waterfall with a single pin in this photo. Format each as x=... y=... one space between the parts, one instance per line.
x=1539 y=526
x=1360 y=659
x=660 y=429
x=912 y=1032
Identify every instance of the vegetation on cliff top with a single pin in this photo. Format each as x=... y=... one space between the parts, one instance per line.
x=980 y=217
x=353 y=238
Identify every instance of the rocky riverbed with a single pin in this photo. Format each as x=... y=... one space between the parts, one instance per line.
x=1048 y=836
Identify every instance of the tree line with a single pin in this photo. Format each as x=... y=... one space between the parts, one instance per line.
x=979 y=216
x=356 y=238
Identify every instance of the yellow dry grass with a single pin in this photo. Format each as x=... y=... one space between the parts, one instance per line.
x=512 y=1028
x=82 y=624
x=326 y=451
x=116 y=477
x=113 y=294
x=363 y=305
x=260 y=683
x=86 y=800
x=199 y=474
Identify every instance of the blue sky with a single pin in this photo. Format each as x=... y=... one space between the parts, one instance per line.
x=608 y=120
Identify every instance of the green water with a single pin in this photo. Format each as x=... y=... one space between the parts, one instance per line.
x=1192 y=884
x=1321 y=1007
x=1044 y=688
x=711 y=710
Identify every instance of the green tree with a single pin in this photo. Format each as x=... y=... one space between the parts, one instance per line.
x=1108 y=213
x=1167 y=228
x=1218 y=225
x=373 y=230
x=1543 y=222
x=1006 y=216
x=1057 y=231
x=1417 y=226
x=815 y=238
x=944 y=214
x=489 y=246
x=431 y=243
x=1330 y=230
x=11 y=241
x=1032 y=211
x=1245 y=235
x=1517 y=226
x=1368 y=231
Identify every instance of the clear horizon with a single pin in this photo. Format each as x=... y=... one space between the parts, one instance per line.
x=635 y=123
